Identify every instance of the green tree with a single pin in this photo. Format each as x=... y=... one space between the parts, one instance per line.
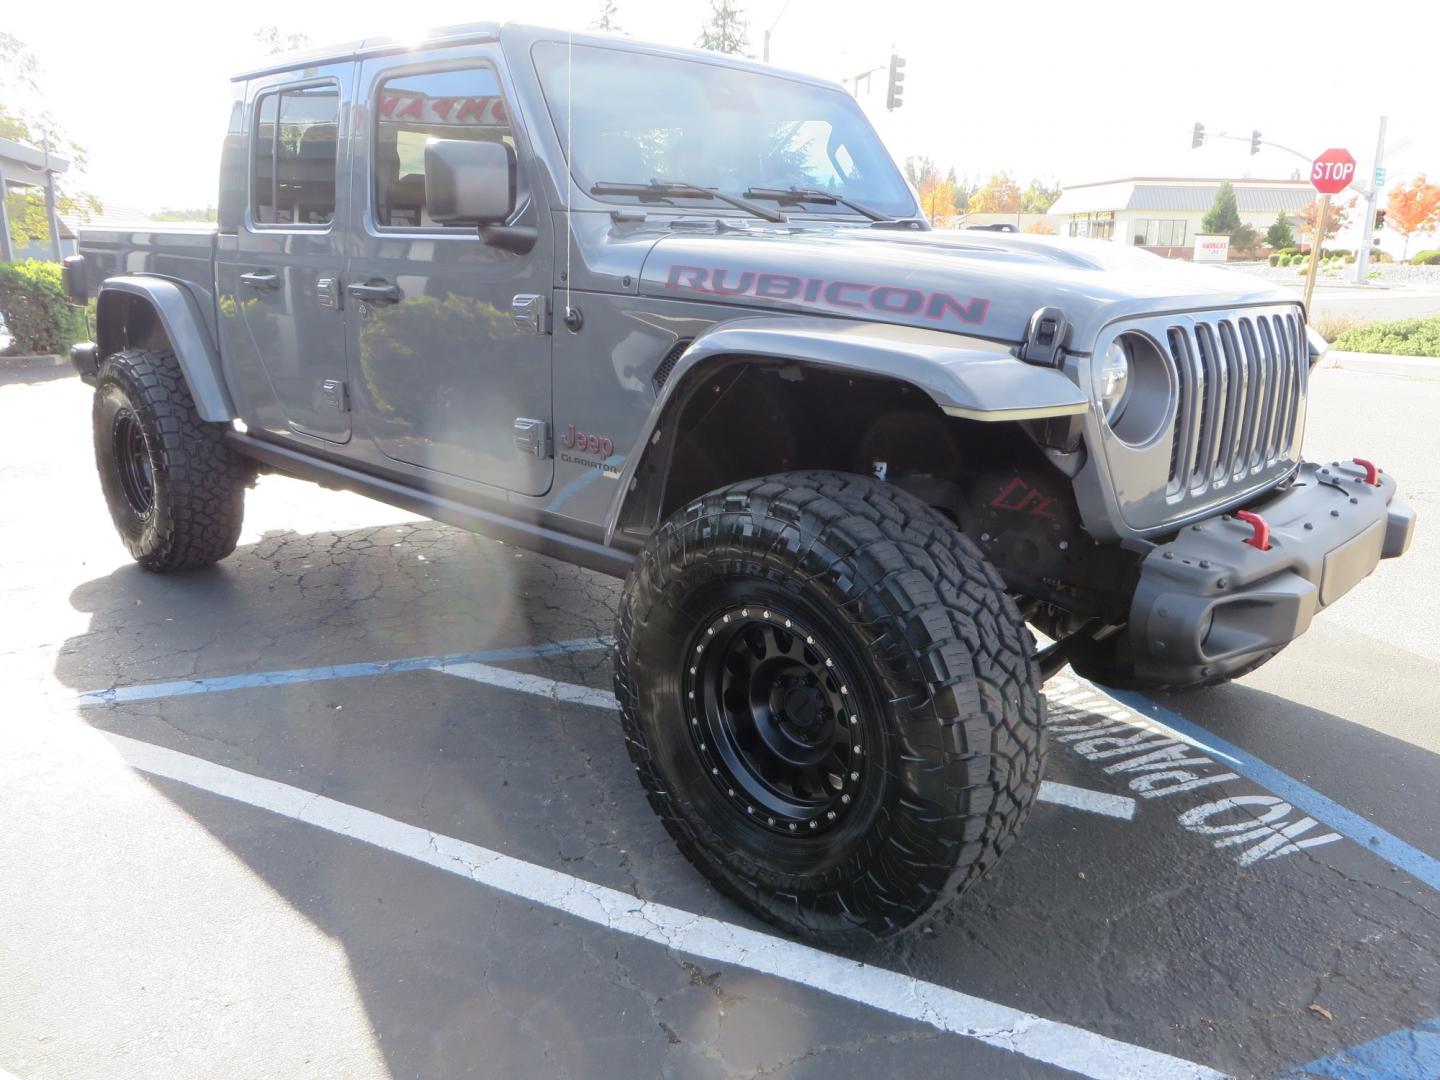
x=1039 y=197
x=1280 y=234
x=1223 y=215
x=727 y=31
x=920 y=169
x=272 y=41
x=607 y=20
x=20 y=84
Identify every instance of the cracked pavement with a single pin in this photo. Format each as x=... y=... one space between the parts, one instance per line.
x=154 y=929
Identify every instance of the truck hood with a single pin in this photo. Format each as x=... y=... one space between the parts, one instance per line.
x=977 y=283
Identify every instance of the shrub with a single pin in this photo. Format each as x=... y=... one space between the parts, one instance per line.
x=1274 y=260
x=1378 y=256
x=35 y=309
x=1332 y=326
x=1426 y=258
x=1403 y=337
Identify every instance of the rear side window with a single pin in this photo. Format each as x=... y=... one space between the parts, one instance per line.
x=411 y=109
x=294 y=148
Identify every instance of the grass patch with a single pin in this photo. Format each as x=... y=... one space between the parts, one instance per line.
x=1403 y=337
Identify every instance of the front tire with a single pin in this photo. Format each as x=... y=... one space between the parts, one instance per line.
x=175 y=491
x=830 y=700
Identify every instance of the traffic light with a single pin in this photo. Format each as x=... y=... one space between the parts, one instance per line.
x=1197 y=137
x=1379 y=220
x=897 y=83
x=1254 y=142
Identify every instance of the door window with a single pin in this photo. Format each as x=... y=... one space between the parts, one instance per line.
x=412 y=109
x=294 y=148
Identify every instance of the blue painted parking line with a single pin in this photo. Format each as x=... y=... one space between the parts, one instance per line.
x=120 y=695
x=1412 y=1054
x=1368 y=835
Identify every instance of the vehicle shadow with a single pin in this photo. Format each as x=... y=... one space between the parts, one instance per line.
x=1126 y=928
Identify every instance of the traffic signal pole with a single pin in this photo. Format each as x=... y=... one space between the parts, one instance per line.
x=1372 y=204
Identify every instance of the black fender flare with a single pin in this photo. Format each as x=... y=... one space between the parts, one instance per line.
x=180 y=316
x=967 y=377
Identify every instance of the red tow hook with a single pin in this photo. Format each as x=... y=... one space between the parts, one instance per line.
x=1372 y=474
x=1261 y=537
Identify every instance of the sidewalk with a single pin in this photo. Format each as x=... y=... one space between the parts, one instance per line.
x=1410 y=367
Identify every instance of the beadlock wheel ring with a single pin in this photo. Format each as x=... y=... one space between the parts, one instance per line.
x=775 y=720
x=132 y=462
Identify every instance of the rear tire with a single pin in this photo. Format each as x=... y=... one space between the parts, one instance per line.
x=176 y=492
x=838 y=830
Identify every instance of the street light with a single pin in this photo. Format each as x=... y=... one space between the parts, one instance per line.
x=772 y=27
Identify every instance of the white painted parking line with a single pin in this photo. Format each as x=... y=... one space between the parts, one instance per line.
x=1063 y=1045
x=1096 y=802
x=1079 y=798
x=533 y=684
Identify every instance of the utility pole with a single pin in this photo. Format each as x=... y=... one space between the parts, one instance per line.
x=1372 y=203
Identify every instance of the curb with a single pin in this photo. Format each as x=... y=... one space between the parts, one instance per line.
x=31 y=363
x=1410 y=367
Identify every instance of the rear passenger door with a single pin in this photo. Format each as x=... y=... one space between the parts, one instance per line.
x=290 y=250
x=445 y=379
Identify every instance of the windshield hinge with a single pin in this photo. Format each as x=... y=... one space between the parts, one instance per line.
x=1044 y=337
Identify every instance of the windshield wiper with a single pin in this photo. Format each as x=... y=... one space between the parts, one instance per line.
x=663 y=189
x=799 y=195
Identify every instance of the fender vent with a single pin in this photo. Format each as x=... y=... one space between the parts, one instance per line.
x=667 y=365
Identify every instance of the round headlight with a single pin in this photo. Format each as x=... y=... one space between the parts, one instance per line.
x=1112 y=380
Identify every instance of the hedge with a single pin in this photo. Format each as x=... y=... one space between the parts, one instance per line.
x=35 y=310
x=1403 y=337
x=1426 y=258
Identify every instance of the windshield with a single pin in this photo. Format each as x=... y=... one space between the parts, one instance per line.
x=639 y=117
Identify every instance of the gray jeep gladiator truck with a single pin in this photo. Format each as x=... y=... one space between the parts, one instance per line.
x=676 y=317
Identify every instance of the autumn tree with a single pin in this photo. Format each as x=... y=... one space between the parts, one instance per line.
x=937 y=200
x=726 y=31
x=609 y=11
x=19 y=88
x=1223 y=215
x=1413 y=208
x=1334 y=220
x=1280 y=235
x=1039 y=197
x=1000 y=195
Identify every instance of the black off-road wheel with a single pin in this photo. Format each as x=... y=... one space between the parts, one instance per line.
x=176 y=492
x=830 y=700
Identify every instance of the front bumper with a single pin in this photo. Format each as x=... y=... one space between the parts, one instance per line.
x=1209 y=604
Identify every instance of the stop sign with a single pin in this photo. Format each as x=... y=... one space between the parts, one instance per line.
x=1332 y=171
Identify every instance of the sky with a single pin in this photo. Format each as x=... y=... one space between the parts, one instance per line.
x=1069 y=91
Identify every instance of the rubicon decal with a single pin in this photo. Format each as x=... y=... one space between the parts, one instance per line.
x=822 y=292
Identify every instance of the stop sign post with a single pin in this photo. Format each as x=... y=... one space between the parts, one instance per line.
x=1330 y=174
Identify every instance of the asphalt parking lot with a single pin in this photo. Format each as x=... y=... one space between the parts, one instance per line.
x=354 y=803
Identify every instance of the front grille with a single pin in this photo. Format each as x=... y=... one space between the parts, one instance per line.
x=1240 y=398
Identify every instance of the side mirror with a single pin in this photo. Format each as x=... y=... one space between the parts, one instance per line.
x=469 y=182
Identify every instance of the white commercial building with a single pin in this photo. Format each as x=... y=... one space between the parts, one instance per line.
x=1163 y=213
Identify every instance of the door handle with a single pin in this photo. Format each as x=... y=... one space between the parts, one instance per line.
x=260 y=279
x=376 y=292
